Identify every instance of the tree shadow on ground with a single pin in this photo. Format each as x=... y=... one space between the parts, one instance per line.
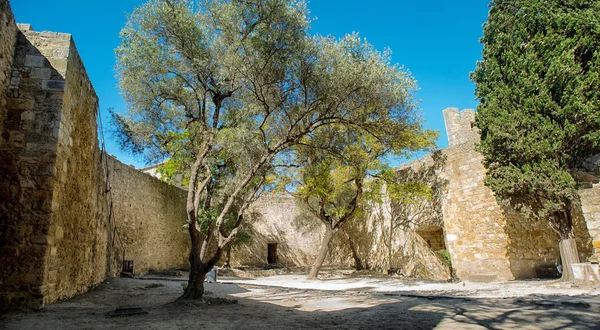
x=284 y=308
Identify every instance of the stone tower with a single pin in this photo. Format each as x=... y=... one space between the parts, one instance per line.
x=459 y=126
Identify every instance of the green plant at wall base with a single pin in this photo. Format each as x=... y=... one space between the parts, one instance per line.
x=445 y=255
x=539 y=113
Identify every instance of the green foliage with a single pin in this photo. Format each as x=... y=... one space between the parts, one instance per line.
x=539 y=116
x=342 y=170
x=416 y=193
x=230 y=92
x=445 y=255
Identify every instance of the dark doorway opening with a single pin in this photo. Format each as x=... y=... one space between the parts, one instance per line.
x=272 y=253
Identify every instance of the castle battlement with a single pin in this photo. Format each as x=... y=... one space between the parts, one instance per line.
x=459 y=126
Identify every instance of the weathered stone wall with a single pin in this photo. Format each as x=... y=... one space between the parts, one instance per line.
x=273 y=219
x=487 y=241
x=474 y=223
x=27 y=169
x=150 y=216
x=78 y=230
x=8 y=38
x=411 y=254
x=590 y=206
x=63 y=226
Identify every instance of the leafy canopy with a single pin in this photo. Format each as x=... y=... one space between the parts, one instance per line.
x=539 y=92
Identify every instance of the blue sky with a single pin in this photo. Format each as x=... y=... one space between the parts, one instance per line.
x=437 y=40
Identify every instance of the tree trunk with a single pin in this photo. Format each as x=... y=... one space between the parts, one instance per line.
x=314 y=270
x=568 y=256
x=227 y=257
x=357 y=262
x=390 y=246
x=195 y=287
x=198 y=270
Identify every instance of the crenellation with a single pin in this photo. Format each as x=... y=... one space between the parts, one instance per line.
x=459 y=126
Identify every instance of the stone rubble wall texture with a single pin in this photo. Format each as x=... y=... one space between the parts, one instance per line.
x=8 y=38
x=150 y=217
x=590 y=206
x=280 y=220
x=60 y=232
x=411 y=254
x=274 y=219
x=487 y=241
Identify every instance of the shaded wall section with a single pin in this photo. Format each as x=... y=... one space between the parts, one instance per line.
x=8 y=38
x=70 y=213
x=590 y=206
x=27 y=168
x=150 y=217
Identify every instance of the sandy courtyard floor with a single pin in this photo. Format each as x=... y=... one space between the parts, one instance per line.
x=290 y=302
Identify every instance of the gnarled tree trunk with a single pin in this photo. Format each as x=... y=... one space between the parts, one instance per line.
x=198 y=271
x=358 y=265
x=569 y=256
x=568 y=246
x=227 y=257
x=314 y=270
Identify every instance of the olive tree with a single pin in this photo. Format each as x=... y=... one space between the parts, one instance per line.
x=342 y=172
x=225 y=89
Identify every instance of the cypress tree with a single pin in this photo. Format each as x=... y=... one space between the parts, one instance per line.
x=539 y=114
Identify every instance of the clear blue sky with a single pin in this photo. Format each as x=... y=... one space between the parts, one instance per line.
x=437 y=40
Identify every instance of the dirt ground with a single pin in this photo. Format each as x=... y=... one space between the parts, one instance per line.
x=342 y=301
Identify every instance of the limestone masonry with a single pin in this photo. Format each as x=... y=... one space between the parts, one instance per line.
x=70 y=214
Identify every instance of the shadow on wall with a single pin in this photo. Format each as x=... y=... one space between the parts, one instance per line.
x=533 y=245
x=256 y=250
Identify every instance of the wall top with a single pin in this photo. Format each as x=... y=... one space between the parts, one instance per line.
x=459 y=126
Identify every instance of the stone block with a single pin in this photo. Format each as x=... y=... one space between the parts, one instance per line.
x=11 y=252
x=59 y=233
x=28 y=115
x=53 y=85
x=19 y=103
x=586 y=272
x=24 y=27
x=60 y=52
x=48 y=34
x=35 y=61
x=43 y=240
x=41 y=73
x=16 y=137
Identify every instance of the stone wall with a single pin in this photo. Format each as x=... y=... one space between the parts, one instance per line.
x=277 y=219
x=78 y=229
x=590 y=206
x=150 y=216
x=28 y=167
x=487 y=241
x=68 y=212
x=8 y=38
